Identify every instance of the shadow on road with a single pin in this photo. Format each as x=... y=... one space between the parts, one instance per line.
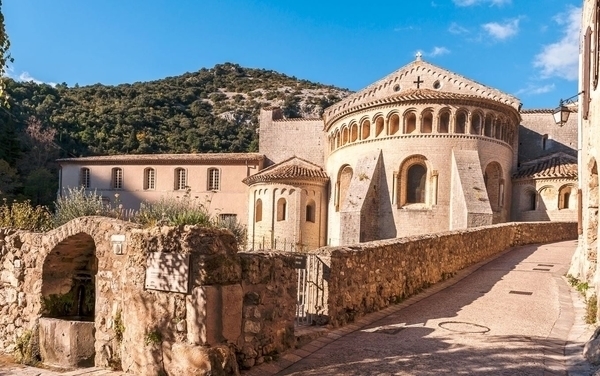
x=401 y=344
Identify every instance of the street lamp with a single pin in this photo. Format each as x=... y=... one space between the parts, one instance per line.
x=562 y=112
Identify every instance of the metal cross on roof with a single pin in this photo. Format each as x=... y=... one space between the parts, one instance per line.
x=418 y=82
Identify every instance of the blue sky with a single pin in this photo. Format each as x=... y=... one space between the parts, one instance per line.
x=523 y=47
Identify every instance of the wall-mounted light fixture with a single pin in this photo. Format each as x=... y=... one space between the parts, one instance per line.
x=562 y=112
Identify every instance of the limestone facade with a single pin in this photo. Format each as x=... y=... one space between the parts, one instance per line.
x=585 y=260
x=214 y=180
x=546 y=189
x=288 y=206
x=422 y=150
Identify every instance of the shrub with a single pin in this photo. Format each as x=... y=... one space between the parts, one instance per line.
x=591 y=309
x=75 y=203
x=27 y=348
x=24 y=216
x=172 y=211
x=239 y=230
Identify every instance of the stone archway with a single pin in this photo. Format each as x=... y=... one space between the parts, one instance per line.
x=79 y=269
x=68 y=279
x=67 y=328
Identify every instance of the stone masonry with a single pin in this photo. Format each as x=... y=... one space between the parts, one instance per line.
x=239 y=309
x=236 y=303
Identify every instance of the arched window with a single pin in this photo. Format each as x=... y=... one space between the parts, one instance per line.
x=281 y=209
x=84 y=177
x=394 y=124
x=117 y=178
x=529 y=200
x=545 y=142
x=345 y=136
x=476 y=124
x=444 y=124
x=413 y=183
x=310 y=211
x=258 y=209
x=213 y=179
x=410 y=123
x=461 y=122
x=379 y=126
x=566 y=197
x=342 y=186
x=427 y=122
x=180 y=181
x=499 y=126
x=488 y=127
x=354 y=132
x=365 y=130
x=415 y=186
x=547 y=198
x=149 y=178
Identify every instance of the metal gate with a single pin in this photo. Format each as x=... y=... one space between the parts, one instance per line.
x=312 y=299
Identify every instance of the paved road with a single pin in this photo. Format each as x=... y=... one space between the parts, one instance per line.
x=514 y=315
x=511 y=316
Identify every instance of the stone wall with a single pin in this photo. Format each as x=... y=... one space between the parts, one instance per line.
x=371 y=276
x=281 y=139
x=535 y=124
x=238 y=306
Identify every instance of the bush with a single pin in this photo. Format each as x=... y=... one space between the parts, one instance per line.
x=591 y=309
x=27 y=348
x=239 y=230
x=24 y=216
x=172 y=211
x=75 y=203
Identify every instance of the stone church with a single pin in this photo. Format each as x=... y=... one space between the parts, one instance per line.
x=422 y=150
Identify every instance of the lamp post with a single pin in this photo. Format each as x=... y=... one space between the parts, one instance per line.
x=562 y=112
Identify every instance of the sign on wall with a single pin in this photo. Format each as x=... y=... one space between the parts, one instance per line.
x=168 y=272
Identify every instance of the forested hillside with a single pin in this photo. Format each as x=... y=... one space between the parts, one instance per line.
x=212 y=110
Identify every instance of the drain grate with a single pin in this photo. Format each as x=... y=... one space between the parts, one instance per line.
x=520 y=292
x=541 y=270
x=546 y=265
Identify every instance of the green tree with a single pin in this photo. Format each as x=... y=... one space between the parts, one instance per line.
x=8 y=179
x=5 y=57
x=40 y=187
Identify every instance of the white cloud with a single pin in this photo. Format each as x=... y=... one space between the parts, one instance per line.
x=468 y=3
x=561 y=59
x=438 y=51
x=532 y=89
x=25 y=77
x=502 y=31
x=457 y=29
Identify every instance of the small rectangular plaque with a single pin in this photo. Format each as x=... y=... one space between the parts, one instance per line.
x=300 y=261
x=168 y=272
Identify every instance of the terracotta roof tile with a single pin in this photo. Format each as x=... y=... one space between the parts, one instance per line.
x=166 y=158
x=292 y=168
x=557 y=165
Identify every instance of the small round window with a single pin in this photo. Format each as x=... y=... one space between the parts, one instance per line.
x=437 y=85
x=396 y=87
